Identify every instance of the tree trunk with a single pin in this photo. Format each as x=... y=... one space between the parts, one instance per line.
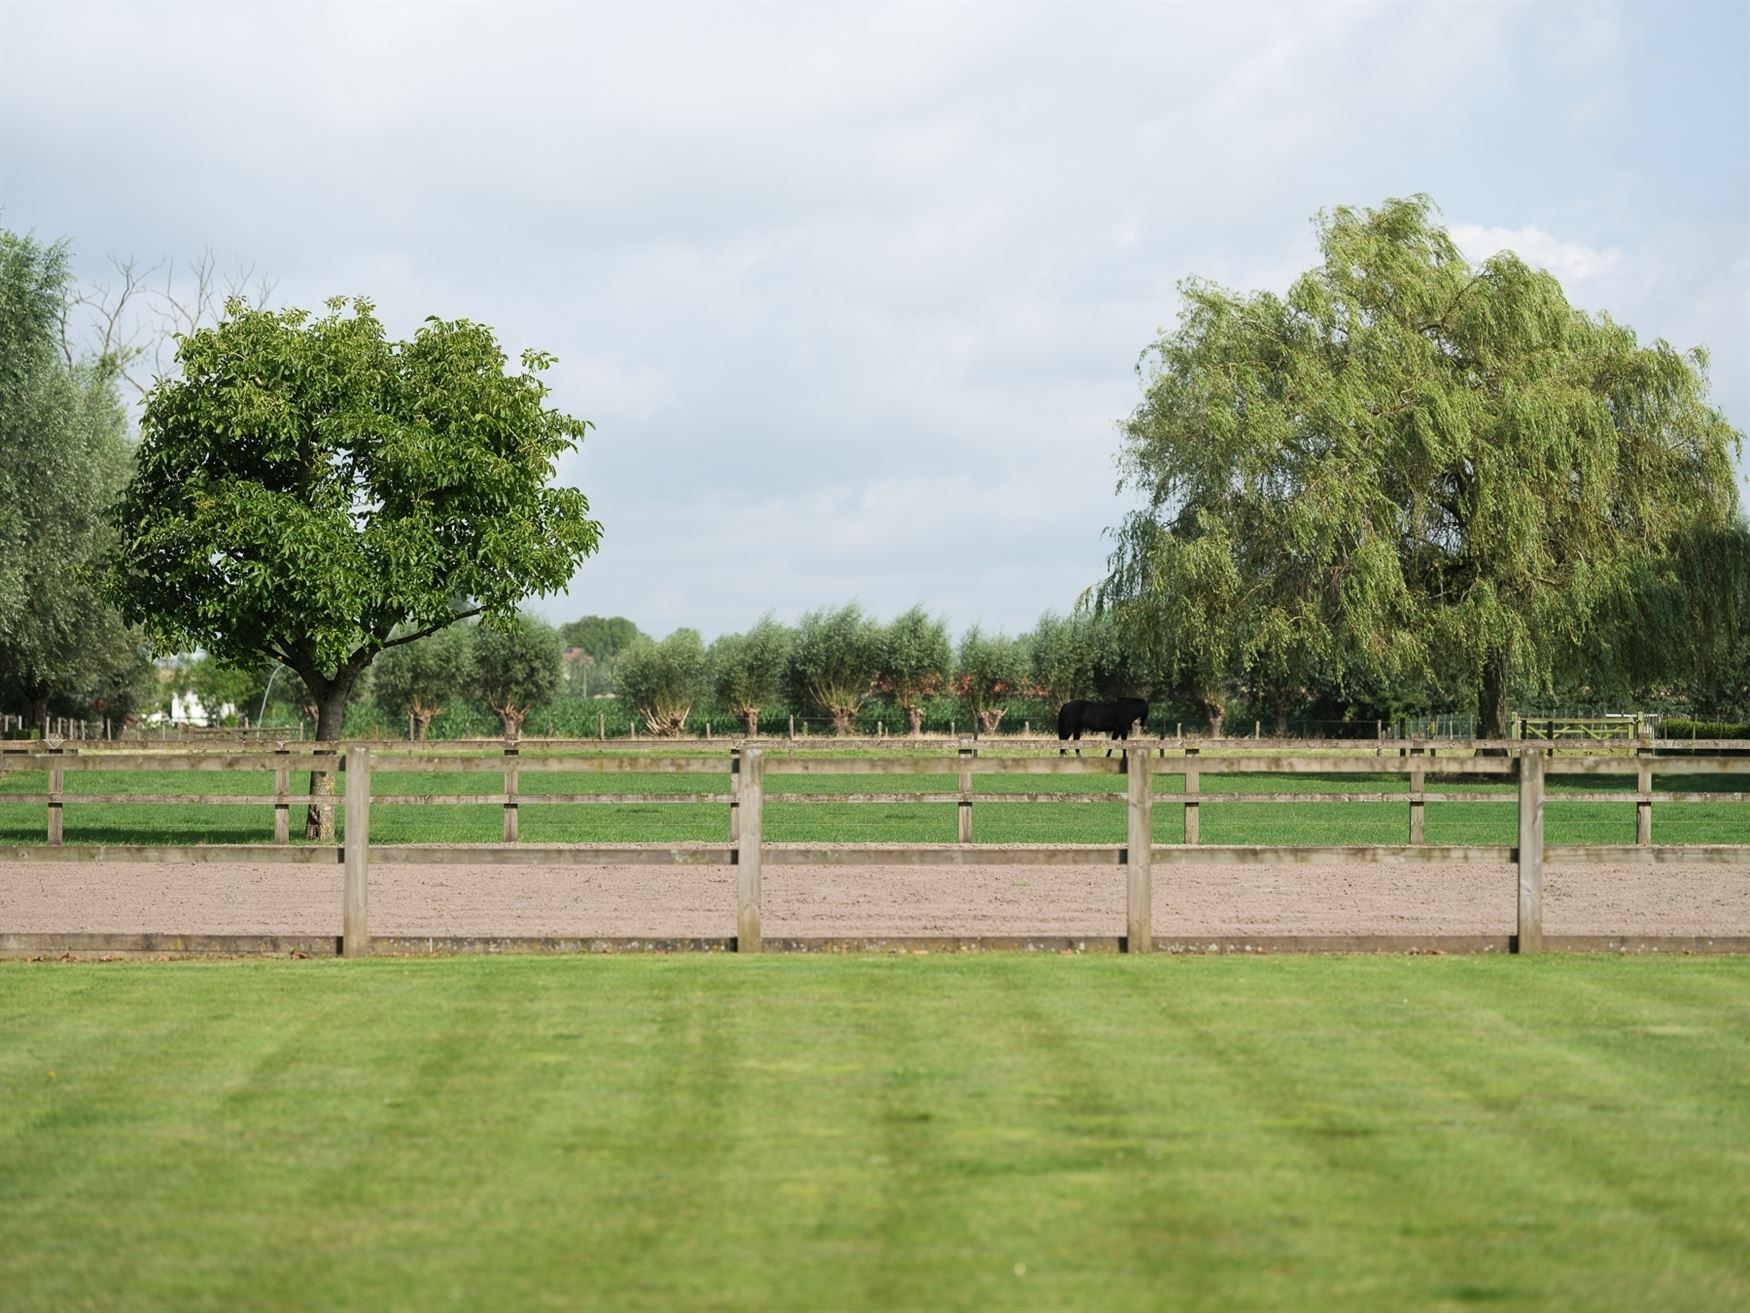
x=1215 y=710
x=841 y=721
x=330 y=714
x=422 y=725
x=512 y=720
x=1492 y=697
x=914 y=717
x=750 y=721
x=39 y=705
x=989 y=720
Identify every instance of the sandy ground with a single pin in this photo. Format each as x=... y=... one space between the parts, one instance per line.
x=1390 y=898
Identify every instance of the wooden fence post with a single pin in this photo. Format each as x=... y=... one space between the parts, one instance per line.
x=1191 y=787
x=747 y=852
x=1531 y=849
x=510 y=791
x=1417 y=829
x=1644 y=805
x=965 y=807
x=355 y=920
x=735 y=795
x=282 y=807
x=56 y=783
x=1139 y=881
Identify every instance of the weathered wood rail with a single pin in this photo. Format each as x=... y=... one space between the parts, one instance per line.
x=1527 y=765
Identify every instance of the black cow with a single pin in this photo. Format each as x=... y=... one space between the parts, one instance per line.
x=1113 y=718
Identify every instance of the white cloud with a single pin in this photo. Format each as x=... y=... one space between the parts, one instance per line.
x=1568 y=261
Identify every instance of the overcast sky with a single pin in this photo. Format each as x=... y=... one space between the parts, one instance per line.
x=854 y=294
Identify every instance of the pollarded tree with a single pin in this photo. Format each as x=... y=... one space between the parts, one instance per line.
x=1083 y=655
x=663 y=680
x=915 y=663
x=420 y=679
x=747 y=670
x=991 y=670
x=1410 y=466
x=310 y=492
x=516 y=667
x=834 y=662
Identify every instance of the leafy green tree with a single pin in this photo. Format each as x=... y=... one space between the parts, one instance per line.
x=603 y=637
x=990 y=671
x=916 y=662
x=310 y=492
x=64 y=457
x=663 y=680
x=834 y=662
x=747 y=670
x=420 y=679
x=516 y=667
x=1410 y=467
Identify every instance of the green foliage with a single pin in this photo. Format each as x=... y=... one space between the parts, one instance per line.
x=747 y=670
x=663 y=680
x=516 y=666
x=835 y=661
x=1681 y=727
x=312 y=493
x=990 y=671
x=64 y=457
x=1084 y=655
x=916 y=662
x=603 y=637
x=1410 y=469
x=420 y=679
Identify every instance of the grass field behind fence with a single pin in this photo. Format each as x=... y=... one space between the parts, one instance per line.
x=944 y=1133
x=1569 y=818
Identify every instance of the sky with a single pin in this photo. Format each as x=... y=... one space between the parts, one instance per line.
x=854 y=294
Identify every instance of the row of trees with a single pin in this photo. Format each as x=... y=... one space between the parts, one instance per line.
x=830 y=665
x=1410 y=483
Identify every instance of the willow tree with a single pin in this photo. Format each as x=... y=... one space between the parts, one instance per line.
x=1410 y=467
x=662 y=681
x=418 y=680
x=309 y=492
x=915 y=663
x=64 y=458
x=835 y=660
x=747 y=670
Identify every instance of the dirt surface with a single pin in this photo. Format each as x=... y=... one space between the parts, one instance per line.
x=1335 y=898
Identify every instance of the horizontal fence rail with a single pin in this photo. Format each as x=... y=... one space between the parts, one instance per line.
x=747 y=765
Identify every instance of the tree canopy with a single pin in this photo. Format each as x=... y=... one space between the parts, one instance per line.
x=516 y=666
x=747 y=670
x=420 y=679
x=915 y=662
x=663 y=680
x=311 y=492
x=1409 y=468
x=834 y=660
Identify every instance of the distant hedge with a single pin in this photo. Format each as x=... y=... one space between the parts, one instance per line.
x=1673 y=728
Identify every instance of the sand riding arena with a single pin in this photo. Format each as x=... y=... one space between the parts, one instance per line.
x=750 y=893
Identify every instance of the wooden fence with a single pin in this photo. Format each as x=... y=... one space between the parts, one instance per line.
x=750 y=764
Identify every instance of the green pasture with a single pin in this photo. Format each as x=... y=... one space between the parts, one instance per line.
x=873 y=1133
x=1569 y=817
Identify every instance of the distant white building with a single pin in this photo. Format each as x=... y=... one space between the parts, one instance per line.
x=186 y=709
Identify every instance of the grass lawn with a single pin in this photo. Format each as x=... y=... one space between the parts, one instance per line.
x=1569 y=819
x=944 y=1133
